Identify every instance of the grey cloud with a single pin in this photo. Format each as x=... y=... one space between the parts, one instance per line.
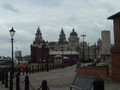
x=73 y=18
x=47 y=3
x=87 y=18
x=9 y=7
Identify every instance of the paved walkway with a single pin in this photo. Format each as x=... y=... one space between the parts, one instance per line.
x=57 y=80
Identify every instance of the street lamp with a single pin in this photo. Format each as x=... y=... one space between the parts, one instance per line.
x=43 y=46
x=83 y=52
x=95 y=50
x=62 y=57
x=88 y=52
x=47 y=50
x=12 y=32
x=71 y=62
x=45 y=55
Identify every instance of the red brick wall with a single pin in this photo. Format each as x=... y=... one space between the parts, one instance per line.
x=38 y=54
x=117 y=31
x=116 y=50
x=116 y=66
x=97 y=72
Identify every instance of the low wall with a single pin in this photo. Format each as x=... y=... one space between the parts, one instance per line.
x=97 y=72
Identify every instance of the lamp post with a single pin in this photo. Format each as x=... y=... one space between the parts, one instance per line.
x=95 y=50
x=42 y=54
x=88 y=52
x=62 y=56
x=12 y=32
x=47 y=66
x=71 y=62
x=45 y=55
x=78 y=50
x=83 y=52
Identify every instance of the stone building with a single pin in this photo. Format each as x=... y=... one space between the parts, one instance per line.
x=70 y=48
x=65 y=48
x=90 y=51
x=105 y=53
x=73 y=39
x=18 y=55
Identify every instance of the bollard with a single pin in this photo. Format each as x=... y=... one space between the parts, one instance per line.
x=32 y=69
x=26 y=82
x=17 y=82
x=3 y=77
x=19 y=73
x=6 y=80
x=11 y=81
x=26 y=70
x=38 y=69
x=42 y=68
x=98 y=85
x=23 y=71
x=44 y=85
x=0 y=76
x=47 y=67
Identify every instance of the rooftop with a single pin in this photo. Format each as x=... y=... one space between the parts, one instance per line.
x=114 y=16
x=64 y=52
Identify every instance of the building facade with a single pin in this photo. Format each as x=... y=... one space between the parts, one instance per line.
x=70 y=48
x=116 y=49
x=39 y=49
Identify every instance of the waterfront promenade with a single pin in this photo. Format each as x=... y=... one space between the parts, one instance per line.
x=58 y=79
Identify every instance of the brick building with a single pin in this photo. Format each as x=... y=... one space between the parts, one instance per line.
x=116 y=49
x=39 y=49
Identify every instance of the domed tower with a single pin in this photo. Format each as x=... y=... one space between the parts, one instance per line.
x=38 y=37
x=62 y=38
x=73 y=39
x=38 y=52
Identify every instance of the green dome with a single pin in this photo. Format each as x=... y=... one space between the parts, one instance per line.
x=73 y=33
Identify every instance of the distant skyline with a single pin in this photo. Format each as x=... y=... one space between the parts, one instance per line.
x=85 y=16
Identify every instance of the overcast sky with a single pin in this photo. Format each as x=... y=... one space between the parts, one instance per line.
x=85 y=16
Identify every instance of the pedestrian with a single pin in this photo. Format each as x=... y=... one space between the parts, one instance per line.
x=94 y=62
x=78 y=65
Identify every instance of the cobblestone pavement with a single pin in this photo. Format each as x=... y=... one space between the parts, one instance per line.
x=57 y=80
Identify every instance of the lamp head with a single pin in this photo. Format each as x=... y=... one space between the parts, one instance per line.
x=12 y=32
